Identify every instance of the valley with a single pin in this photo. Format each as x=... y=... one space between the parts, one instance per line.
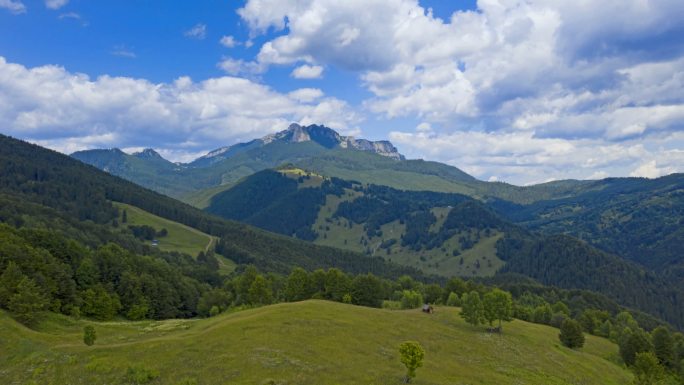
x=320 y=192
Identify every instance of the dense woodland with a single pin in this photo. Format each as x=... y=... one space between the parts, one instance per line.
x=561 y=261
x=636 y=218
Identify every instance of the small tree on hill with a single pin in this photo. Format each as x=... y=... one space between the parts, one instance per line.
x=27 y=301
x=647 y=370
x=472 y=309
x=498 y=306
x=571 y=334
x=412 y=355
x=89 y=335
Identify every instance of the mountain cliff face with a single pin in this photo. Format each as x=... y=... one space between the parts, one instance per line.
x=296 y=133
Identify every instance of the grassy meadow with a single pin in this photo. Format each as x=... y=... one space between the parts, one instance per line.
x=310 y=342
x=180 y=238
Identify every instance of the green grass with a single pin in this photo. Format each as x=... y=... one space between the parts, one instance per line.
x=180 y=238
x=311 y=342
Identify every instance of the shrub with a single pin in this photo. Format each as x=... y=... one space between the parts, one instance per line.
x=89 y=335
x=571 y=334
x=412 y=355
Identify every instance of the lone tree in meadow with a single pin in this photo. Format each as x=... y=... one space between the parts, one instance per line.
x=498 y=306
x=571 y=334
x=89 y=335
x=412 y=355
x=472 y=309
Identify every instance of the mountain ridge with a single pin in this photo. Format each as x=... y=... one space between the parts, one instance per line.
x=296 y=133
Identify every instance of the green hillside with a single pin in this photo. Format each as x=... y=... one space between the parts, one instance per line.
x=438 y=233
x=311 y=342
x=46 y=189
x=180 y=238
x=637 y=218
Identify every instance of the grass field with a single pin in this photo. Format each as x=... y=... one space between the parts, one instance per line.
x=180 y=238
x=311 y=342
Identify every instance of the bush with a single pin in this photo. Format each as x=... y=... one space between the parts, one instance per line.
x=89 y=335
x=571 y=334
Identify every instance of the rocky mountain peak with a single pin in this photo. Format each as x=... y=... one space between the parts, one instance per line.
x=147 y=153
x=329 y=138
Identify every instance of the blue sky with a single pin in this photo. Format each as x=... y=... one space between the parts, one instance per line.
x=521 y=91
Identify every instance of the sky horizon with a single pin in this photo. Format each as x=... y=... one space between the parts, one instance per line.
x=518 y=91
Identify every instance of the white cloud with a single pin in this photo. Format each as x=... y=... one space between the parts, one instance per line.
x=199 y=32
x=424 y=127
x=240 y=67
x=14 y=6
x=70 y=111
x=606 y=76
x=228 y=41
x=520 y=158
x=55 y=4
x=123 y=51
x=306 y=94
x=307 y=72
x=69 y=15
x=650 y=169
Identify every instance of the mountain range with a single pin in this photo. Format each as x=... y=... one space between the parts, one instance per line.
x=618 y=236
x=315 y=148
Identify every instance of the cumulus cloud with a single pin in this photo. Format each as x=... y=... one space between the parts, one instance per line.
x=306 y=94
x=69 y=111
x=519 y=157
x=606 y=76
x=228 y=41
x=650 y=169
x=55 y=4
x=236 y=67
x=14 y=6
x=199 y=32
x=307 y=72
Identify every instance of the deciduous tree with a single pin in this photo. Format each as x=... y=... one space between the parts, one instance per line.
x=412 y=355
x=472 y=309
x=498 y=306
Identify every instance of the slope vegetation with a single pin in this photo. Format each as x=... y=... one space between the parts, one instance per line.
x=47 y=189
x=312 y=342
x=438 y=233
